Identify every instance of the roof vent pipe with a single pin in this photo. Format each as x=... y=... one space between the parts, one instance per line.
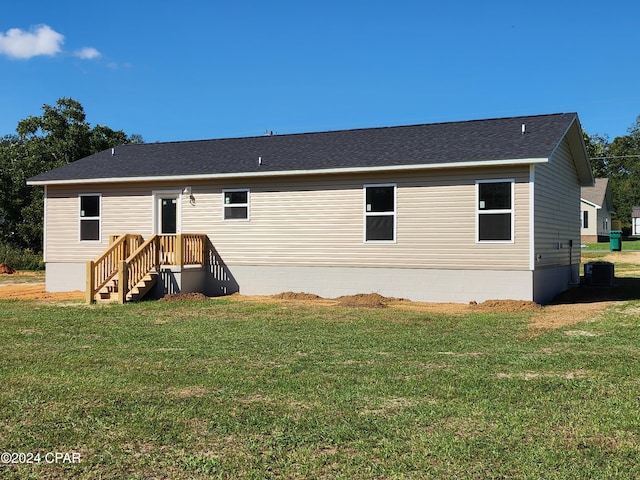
x=524 y=128
x=113 y=151
x=259 y=160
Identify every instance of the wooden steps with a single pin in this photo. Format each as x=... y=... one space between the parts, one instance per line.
x=109 y=292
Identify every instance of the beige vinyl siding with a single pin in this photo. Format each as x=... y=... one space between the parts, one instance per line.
x=320 y=221
x=313 y=220
x=123 y=210
x=557 y=210
x=593 y=224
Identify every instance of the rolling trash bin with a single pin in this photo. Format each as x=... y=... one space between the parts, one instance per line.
x=615 y=240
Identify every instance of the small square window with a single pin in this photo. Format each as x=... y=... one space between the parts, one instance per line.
x=236 y=204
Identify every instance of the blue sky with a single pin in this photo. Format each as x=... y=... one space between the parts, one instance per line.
x=210 y=69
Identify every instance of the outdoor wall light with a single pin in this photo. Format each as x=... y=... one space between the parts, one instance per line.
x=187 y=191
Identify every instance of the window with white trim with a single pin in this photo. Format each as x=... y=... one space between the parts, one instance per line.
x=495 y=210
x=380 y=213
x=236 y=204
x=90 y=217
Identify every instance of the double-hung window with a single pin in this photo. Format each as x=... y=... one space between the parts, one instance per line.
x=494 y=210
x=236 y=204
x=90 y=217
x=380 y=213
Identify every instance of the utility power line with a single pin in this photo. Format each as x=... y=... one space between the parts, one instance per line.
x=614 y=156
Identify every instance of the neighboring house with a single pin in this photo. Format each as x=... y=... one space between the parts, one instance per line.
x=596 y=208
x=635 y=221
x=448 y=212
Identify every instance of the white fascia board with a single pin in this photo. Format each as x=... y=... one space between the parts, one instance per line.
x=595 y=205
x=289 y=173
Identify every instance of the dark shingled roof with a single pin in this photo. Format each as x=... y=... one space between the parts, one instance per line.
x=597 y=193
x=430 y=144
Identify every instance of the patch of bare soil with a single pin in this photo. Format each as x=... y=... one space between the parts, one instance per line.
x=571 y=307
x=35 y=291
x=583 y=303
x=176 y=297
x=506 y=306
x=297 y=296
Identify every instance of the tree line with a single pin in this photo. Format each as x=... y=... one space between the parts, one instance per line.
x=619 y=161
x=61 y=135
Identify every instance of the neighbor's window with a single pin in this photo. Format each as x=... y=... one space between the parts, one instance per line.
x=585 y=219
x=90 y=217
x=236 y=204
x=380 y=213
x=495 y=210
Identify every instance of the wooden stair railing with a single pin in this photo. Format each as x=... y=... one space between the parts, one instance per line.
x=128 y=262
x=192 y=249
x=137 y=266
x=102 y=270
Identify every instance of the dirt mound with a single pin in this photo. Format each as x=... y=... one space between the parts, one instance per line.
x=507 y=306
x=6 y=269
x=297 y=296
x=176 y=297
x=370 y=300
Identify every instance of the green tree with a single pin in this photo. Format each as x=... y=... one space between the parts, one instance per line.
x=59 y=136
x=618 y=160
x=596 y=147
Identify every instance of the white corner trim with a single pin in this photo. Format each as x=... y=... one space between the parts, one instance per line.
x=532 y=218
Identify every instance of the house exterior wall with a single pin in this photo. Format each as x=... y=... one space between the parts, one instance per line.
x=557 y=221
x=425 y=285
x=590 y=233
x=604 y=223
x=635 y=221
x=599 y=224
x=316 y=222
x=313 y=225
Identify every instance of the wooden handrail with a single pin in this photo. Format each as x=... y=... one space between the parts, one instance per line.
x=131 y=259
x=137 y=266
x=101 y=270
x=193 y=249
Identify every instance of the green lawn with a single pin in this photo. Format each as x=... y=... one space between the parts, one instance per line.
x=238 y=389
x=628 y=243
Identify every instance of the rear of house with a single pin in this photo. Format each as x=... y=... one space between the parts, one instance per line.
x=456 y=212
x=596 y=210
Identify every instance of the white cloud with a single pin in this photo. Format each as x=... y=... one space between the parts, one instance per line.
x=40 y=40
x=87 y=53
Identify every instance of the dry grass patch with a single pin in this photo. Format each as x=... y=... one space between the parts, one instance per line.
x=534 y=375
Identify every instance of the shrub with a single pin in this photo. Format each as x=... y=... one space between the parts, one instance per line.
x=20 y=259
